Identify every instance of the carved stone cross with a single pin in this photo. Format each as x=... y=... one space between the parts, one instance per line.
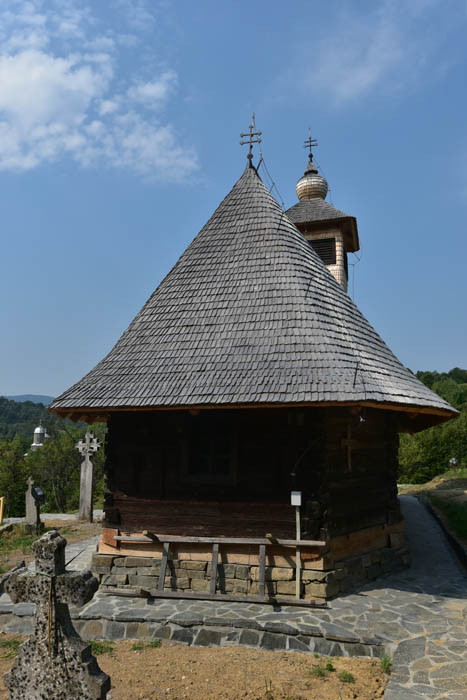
x=54 y=662
x=87 y=447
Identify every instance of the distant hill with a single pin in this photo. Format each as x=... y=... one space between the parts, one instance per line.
x=34 y=398
x=22 y=417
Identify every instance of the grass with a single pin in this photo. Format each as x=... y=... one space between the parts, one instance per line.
x=460 y=473
x=456 y=513
x=139 y=646
x=386 y=664
x=15 y=539
x=11 y=647
x=318 y=671
x=346 y=677
x=101 y=648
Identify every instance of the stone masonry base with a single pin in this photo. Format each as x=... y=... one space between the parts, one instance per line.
x=129 y=572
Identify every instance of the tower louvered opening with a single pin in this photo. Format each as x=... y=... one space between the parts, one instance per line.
x=326 y=249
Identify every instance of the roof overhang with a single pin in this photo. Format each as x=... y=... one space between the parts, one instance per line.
x=411 y=419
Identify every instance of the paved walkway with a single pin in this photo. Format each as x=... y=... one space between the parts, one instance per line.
x=97 y=513
x=418 y=616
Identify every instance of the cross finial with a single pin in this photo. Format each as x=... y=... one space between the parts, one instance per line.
x=309 y=143
x=89 y=445
x=251 y=140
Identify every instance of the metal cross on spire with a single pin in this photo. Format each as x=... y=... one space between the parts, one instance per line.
x=251 y=140
x=309 y=143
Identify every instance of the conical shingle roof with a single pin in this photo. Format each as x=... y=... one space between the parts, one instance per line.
x=249 y=315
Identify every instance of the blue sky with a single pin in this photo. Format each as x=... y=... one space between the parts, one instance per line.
x=119 y=136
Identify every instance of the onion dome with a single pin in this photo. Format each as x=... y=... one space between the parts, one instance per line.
x=312 y=185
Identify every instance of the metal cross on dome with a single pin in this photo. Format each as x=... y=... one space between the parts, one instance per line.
x=251 y=140
x=309 y=143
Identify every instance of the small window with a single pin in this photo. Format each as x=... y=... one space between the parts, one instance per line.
x=326 y=249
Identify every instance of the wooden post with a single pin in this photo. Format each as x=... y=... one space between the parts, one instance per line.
x=296 y=500
x=2 y=505
x=297 y=555
x=87 y=447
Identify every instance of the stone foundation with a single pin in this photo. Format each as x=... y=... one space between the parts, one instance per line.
x=129 y=572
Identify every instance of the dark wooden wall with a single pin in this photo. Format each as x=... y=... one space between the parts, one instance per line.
x=150 y=487
x=360 y=492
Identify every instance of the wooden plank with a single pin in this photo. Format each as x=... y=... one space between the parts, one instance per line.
x=108 y=535
x=195 y=595
x=137 y=539
x=262 y=569
x=231 y=554
x=365 y=540
x=215 y=555
x=165 y=554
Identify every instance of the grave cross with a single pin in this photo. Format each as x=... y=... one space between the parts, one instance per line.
x=87 y=447
x=54 y=662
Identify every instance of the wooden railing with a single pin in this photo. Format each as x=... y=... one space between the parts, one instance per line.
x=216 y=542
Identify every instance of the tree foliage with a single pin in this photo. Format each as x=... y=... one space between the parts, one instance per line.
x=55 y=467
x=424 y=455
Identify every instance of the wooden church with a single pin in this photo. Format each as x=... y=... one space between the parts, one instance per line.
x=247 y=375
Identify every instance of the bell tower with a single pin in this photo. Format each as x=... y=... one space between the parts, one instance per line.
x=331 y=233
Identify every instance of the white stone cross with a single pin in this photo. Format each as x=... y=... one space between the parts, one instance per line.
x=87 y=447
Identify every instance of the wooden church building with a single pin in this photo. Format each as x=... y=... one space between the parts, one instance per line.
x=247 y=375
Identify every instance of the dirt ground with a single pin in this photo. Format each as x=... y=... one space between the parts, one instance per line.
x=174 y=671
x=72 y=531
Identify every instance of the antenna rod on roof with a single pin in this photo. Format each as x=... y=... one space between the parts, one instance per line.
x=251 y=140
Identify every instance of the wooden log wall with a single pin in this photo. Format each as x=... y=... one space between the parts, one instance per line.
x=149 y=484
x=360 y=490
x=153 y=483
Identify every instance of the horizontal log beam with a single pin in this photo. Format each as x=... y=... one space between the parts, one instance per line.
x=194 y=595
x=145 y=539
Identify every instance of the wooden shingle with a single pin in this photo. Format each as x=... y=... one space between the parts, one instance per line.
x=248 y=315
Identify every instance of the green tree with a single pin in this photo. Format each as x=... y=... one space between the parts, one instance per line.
x=56 y=466
x=424 y=455
x=13 y=476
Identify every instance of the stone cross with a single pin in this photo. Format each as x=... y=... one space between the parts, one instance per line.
x=87 y=447
x=33 y=519
x=54 y=663
x=31 y=510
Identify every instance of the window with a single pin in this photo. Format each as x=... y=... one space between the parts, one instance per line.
x=326 y=249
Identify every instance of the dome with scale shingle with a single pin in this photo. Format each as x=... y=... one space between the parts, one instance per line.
x=312 y=184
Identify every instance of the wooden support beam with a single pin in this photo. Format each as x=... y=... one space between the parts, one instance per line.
x=215 y=555
x=139 y=539
x=165 y=555
x=262 y=569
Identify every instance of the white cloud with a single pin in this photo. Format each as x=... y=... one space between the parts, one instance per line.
x=155 y=92
x=385 y=49
x=60 y=95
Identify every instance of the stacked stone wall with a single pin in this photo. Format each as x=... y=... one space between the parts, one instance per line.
x=130 y=572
